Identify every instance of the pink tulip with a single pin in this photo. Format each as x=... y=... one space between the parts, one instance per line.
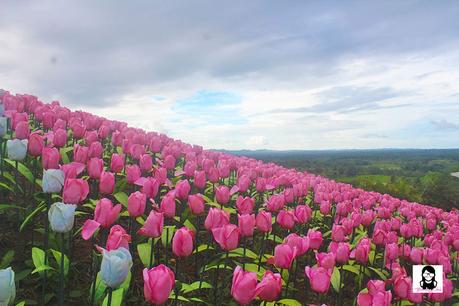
x=136 y=204
x=246 y=224
x=376 y=295
x=325 y=208
x=182 y=242
x=182 y=189
x=75 y=191
x=95 y=150
x=36 y=144
x=95 y=167
x=315 y=239
x=286 y=219
x=146 y=162
x=216 y=218
x=158 y=284
x=326 y=260
x=341 y=251
x=153 y=226
x=106 y=213
x=169 y=162
x=168 y=205
x=199 y=179
x=284 y=255
x=402 y=287
x=319 y=278
x=196 y=204
x=275 y=203
x=416 y=255
x=107 y=183
x=222 y=194
x=446 y=294
x=50 y=158
x=270 y=286
x=244 y=285
x=244 y=205
x=362 y=251
x=60 y=138
x=300 y=243
x=117 y=163
x=264 y=221
x=22 y=130
x=227 y=236
x=132 y=173
x=80 y=154
x=303 y=213
x=338 y=233
x=117 y=238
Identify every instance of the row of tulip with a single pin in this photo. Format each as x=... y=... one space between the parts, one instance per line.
x=187 y=216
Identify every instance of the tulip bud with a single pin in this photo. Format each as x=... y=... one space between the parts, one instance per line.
x=196 y=204
x=153 y=226
x=61 y=217
x=7 y=287
x=115 y=266
x=107 y=183
x=286 y=219
x=117 y=163
x=75 y=191
x=270 y=286
x=222 y=194
x=53 y=180
x=246 y=224
x=264 y=221
x=158 y=284
x=118 y=238
x=227 y=236
x=216 y=218
x=244 y=205
x=136 y=204
x=17 y=149
x=182 y=242
x=243 y=287
x=319 y=278
x=284 y=255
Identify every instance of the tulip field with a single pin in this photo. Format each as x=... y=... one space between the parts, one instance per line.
x=95 y=212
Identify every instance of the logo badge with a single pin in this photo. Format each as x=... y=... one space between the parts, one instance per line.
x=427 y=279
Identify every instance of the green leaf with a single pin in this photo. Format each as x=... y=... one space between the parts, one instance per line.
x=190 y=225
x=187 y=288
x=7 y=259
x=41 y=207
x=248 y=253
x=180 y=298
x=38 y=257
x=168 y=232
x=122 y=197
x=117 y=298
x=5 y=186
x=381 y=274
x=352 y=269
x=21 y=275
x=22 y=169
x=203 y=247
x=42 y=268
x=10 y=206
x=64 y=155
x=22 y=303
x=335 y=279
x=57 y=256
x=289 y=302
x=144 y=253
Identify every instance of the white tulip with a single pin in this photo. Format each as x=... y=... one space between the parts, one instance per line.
x=61 y=217
x=17 y=149
x=53 y=180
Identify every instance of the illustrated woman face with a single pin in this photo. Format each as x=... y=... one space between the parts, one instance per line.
x=428 y=275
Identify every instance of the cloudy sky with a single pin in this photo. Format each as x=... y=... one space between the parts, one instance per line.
x=246 y=74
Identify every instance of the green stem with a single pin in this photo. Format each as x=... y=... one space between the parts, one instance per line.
x=151 y=253
x=109 y=302
x=61 y=272
x=176 y=277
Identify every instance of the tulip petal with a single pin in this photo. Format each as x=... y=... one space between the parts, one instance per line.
x=89 y=228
